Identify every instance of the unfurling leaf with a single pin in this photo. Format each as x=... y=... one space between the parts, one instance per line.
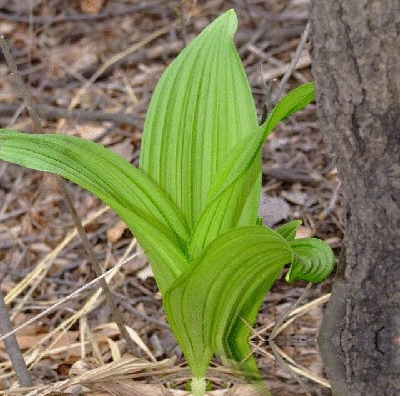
x=313 y=260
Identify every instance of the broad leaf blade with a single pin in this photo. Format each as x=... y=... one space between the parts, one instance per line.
x=145 y=208
x=166 y=258
x=313 y=260
x=239 y=330
x=224 y=213
x=240 y=165
x=204 y=304
x=201 y=108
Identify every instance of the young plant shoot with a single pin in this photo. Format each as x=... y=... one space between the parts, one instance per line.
x=193 y=202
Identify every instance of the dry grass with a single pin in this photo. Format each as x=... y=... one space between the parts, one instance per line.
x=92 y=75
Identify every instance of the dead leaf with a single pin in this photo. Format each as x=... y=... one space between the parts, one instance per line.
x=29 y=341
x=273 y=209
x=297 y=198
x=76 y=58
x=303 y=232
x=116 y=232
x=334 y=242
x=134 y=336
x=88 y=131
x=91 y=6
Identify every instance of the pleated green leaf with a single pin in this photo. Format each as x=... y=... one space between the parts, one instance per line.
x=221 y=214
x=237 y=170
x=245 y=152
x=313 y=260
x=204 y=304
x=147 y=210
x=201 y=109
x=289 y=229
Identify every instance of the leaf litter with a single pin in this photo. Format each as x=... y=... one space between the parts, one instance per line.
x=36 y=232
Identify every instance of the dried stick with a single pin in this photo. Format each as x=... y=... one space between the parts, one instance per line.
x=183 y=27
x=279 y=91
x=53 y=112
x=11 y=344
x=301 y=175
x=284 y=364
x=12 y=347
x=284 y=316
x=61 y=182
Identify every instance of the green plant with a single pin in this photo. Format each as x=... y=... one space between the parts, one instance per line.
x=193 y=202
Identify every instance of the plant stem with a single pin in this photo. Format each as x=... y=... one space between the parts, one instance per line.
x=198 y=386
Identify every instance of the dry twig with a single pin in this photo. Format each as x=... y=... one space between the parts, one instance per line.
x=279 y=91
x=52 y=112
x=12 y=348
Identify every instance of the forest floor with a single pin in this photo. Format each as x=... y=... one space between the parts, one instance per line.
x=76 y=348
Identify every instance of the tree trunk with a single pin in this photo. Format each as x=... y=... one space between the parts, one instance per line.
x=355 y=63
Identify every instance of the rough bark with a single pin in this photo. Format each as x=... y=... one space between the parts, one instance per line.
x=355 y=63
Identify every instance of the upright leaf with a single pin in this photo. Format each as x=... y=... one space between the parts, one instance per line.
x=201 y=108
x=289 y=229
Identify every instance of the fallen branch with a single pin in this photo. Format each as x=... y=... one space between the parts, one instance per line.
x=291 y=175
x=53 y=112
